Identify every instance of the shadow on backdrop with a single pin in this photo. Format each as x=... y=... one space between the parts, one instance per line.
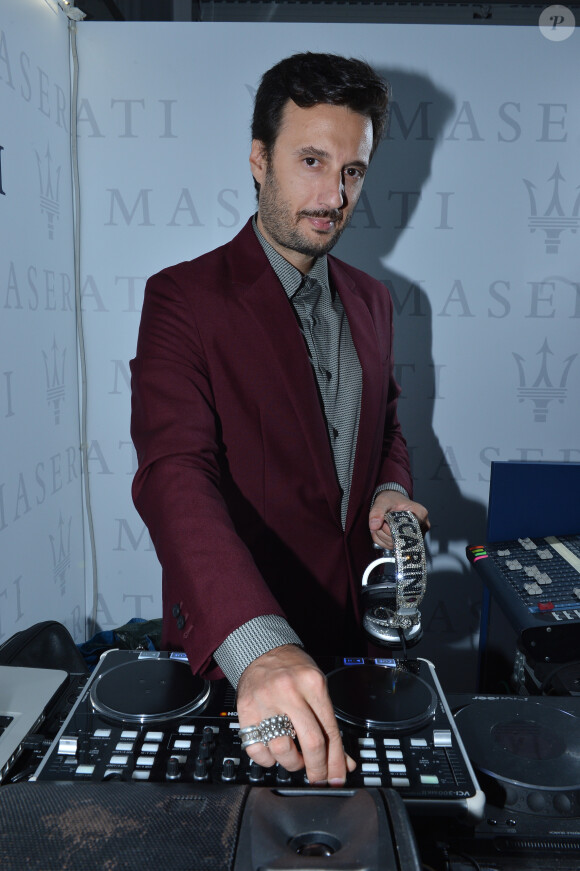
x=400 y=169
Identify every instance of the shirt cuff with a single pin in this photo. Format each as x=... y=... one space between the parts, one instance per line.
x=251 y=640
x=390 y=486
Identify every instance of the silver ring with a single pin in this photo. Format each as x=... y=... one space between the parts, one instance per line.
x=250 y=735
x=247 y=729
x=276 y=727
x=271 y=727
x=250 y=741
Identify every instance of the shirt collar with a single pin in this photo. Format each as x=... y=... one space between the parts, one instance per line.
x=290 y=277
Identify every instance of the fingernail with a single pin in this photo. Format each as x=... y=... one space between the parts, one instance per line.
x=320 y=783
x=336 y=781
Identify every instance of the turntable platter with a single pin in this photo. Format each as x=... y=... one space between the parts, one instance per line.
x=522 y=743
x=149 y=691
x=382 y=697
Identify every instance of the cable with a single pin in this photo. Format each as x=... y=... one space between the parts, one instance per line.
x=464 y=857
x=72 y=27
x=467 y=858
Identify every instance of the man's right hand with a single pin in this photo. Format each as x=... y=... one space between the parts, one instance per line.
x=287 y=681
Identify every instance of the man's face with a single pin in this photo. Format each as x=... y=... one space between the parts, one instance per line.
x=311 y=182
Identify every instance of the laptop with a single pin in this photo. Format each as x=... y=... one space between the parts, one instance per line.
x=25 y=693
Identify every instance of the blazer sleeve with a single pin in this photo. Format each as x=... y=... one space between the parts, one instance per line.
x=211 y=584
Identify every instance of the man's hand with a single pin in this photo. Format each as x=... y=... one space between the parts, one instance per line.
x=287 y=681
x=391 y=500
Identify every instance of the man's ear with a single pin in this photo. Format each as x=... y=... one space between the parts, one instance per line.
x=258 y=160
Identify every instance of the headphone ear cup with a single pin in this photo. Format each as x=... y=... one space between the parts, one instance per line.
x=365 y=600
x=378 y=600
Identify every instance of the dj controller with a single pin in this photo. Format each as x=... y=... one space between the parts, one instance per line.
x=536 y=582
x=474 y=781
x=147 y=757
x=143 y=717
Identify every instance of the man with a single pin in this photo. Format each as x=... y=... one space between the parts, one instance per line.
x=265 y=421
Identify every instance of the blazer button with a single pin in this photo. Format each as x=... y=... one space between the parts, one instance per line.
x=180 y=621
x=176 y=610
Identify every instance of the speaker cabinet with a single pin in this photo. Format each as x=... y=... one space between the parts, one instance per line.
x=127 y=827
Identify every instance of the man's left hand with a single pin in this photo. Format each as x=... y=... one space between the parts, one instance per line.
x=391 y=500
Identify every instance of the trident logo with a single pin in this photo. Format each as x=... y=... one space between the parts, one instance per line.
x=49 y=186
x=54 y=369
x=554 y=221
x=543 y=391
x=61 y=553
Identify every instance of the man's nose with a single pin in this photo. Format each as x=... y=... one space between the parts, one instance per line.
x=333 y=195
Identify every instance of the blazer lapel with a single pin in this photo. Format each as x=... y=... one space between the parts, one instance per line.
x=266 y=303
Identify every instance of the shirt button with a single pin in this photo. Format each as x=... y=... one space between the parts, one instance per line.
x=176 y=610
x=180 y=621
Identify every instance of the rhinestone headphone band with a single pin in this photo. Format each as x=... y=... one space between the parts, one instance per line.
x=410 y=560
x=411 y=568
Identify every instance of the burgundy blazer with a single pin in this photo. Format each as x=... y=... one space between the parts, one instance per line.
x=236 y=480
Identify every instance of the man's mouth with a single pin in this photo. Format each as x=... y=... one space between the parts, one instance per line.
x=323 y=221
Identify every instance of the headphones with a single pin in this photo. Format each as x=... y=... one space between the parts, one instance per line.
x=394 y=584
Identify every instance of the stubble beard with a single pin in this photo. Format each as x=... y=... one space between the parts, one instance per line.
x=283 y=226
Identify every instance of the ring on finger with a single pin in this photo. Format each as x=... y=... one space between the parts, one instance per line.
x=247 y=743
x=276 y=727
x=249 y=731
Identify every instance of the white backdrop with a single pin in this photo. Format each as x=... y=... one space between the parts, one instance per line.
x=470 y=215
x=41 y=525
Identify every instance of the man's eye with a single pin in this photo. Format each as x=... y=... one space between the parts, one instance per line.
x=310 y=161
x=354 y=172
